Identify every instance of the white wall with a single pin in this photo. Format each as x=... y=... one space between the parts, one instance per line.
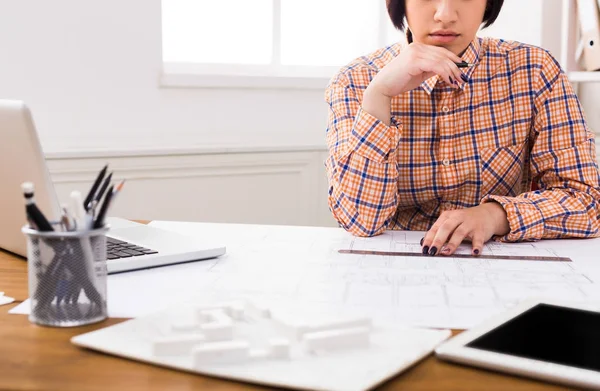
x=519 y=21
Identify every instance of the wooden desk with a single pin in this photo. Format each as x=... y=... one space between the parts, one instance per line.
x=42 y=358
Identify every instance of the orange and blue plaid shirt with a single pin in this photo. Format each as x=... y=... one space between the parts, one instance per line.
x=517 y=121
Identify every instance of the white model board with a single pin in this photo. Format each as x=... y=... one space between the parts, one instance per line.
x=270 y=347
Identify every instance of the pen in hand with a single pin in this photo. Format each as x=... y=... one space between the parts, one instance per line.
x=464 y=64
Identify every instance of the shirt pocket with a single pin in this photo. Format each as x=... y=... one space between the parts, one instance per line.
x=501 y=170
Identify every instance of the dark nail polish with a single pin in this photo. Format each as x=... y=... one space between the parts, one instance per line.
x=433 y=250
x=476 y=252
x=465 y=79
x=422 y=239
x=451 y=80
x=425 y=250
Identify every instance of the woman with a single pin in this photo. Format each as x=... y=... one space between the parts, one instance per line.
x=418 y=142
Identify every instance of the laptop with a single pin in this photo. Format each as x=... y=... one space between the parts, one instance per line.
x=130 y=246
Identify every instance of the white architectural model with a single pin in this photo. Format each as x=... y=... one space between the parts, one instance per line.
x=246 y=341
x=209 y=336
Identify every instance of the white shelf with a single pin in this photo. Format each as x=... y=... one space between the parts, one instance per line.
x=569 y=41
x=582 y=76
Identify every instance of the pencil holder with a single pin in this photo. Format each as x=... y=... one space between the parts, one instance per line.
x=67 y=276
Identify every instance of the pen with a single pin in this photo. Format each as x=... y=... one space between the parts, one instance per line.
x=92 y=193
x=464 y=64
x=103 y=188
x=100 y=219
x=66 y=219
x=34 y=214
x=78 y=210
x=90 y=214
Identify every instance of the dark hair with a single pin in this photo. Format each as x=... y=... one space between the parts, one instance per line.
x=397 y=12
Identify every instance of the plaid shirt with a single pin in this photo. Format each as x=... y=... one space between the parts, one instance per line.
x=516 y=122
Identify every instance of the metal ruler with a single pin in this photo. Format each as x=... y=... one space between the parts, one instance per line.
x=483 y=256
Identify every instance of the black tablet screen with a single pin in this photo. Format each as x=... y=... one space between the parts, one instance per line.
x=548 y=333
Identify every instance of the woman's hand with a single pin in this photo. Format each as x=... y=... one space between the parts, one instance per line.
x=414 y=65
x=477 y=224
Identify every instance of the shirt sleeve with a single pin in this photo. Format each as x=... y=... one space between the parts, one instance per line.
x=361 y=168
x=563 y=164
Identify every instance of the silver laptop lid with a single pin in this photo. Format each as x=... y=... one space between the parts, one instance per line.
x=21 y=159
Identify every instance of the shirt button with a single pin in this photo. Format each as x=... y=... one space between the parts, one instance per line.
x=446 y=162
x=445 y=109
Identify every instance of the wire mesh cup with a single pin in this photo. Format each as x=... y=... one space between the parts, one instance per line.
x=67 y=276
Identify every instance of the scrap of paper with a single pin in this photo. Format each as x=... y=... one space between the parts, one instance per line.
x=5 y=299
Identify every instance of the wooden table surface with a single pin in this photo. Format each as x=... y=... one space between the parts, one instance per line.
x=42 y=358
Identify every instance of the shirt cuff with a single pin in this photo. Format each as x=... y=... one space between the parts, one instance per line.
x=525 y=219
x=373 y=139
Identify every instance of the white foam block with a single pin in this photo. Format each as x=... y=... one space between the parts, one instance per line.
x=279 y=348
x=289 y=327
x=204 y=310
x=217 y=332
x=218 y=315
x=221 y=352
x=184 y=326
x=175 y=345
x=357 y=337
x=341 y=324
x=257 y=309
x=236 y=310
x=258 y=354
x=218 y=326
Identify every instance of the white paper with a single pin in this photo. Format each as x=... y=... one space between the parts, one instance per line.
x=5 y=299
x=302 y=266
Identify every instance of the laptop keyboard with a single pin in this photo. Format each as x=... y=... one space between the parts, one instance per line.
x=116 y=249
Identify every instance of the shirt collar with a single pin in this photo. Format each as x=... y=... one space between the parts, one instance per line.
x=472 y=55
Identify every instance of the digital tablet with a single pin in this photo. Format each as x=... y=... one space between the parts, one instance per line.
x=544 y=339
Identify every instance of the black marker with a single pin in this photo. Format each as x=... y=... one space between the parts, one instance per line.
x=34 y=214
x=103 y=188
x=103 y=209
x=92 y=193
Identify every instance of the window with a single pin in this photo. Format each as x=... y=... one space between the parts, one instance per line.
x=272 y=43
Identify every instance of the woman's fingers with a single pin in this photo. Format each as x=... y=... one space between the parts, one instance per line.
x=477 y=243
x=450 y=68
x=458 y=236
x=433 y=62
x=443 y=234
x=456 y=72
